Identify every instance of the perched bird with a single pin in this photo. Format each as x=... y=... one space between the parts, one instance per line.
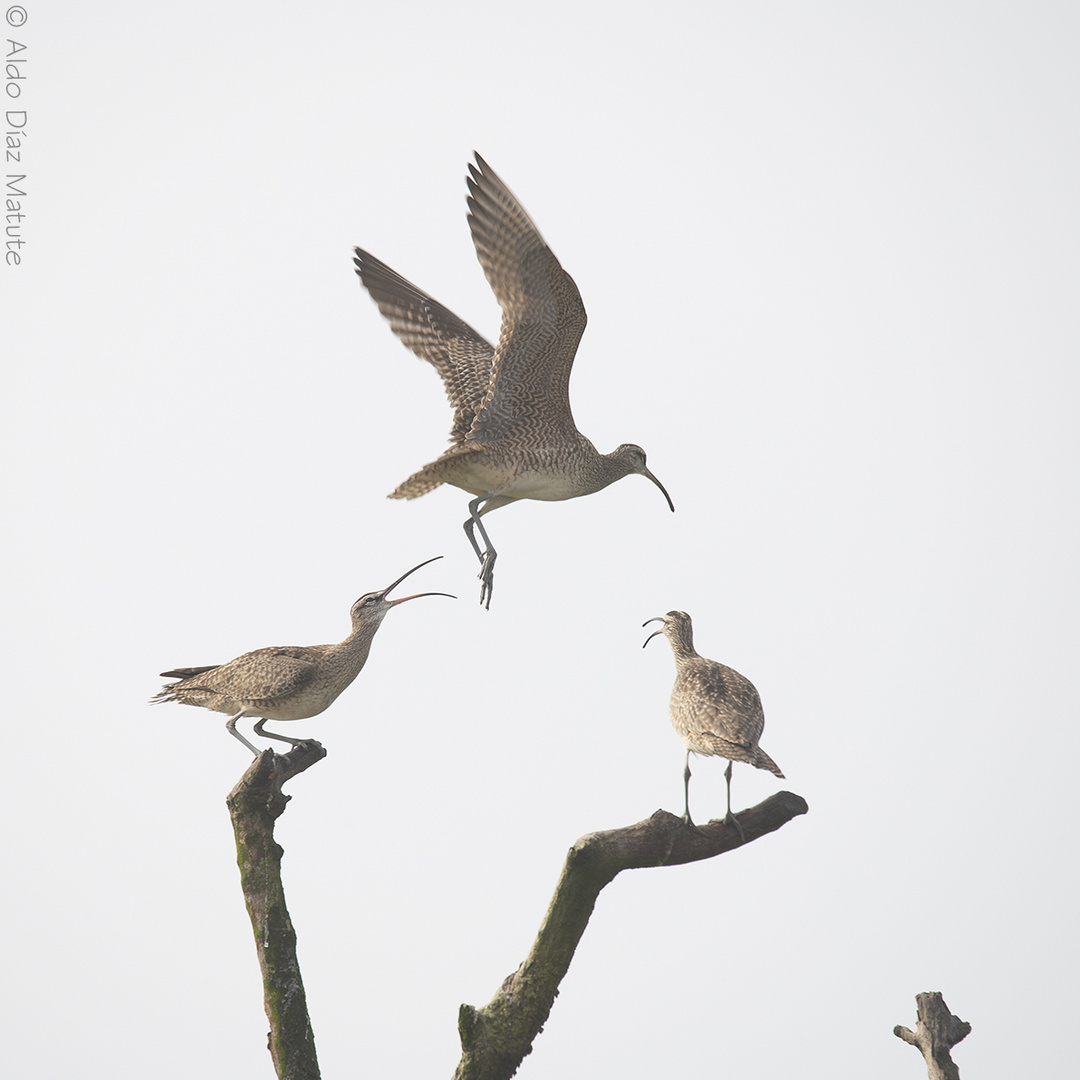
x=714 y=709
x=285 y=682
x=513 y=435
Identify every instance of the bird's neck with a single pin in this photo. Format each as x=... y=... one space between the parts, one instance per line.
x=683 y=648
x=612 y=467
x=354 y=650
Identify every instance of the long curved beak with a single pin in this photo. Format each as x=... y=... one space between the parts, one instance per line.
x=659 y=618
x=645 y=472
x=415 y=595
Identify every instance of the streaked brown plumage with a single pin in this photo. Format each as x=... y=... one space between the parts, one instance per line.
x=285 y=682
x=514 y=434
x=715 y=710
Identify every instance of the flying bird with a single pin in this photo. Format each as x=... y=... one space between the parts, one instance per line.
x=513 y=433
x=714 y=710
x=285 y=682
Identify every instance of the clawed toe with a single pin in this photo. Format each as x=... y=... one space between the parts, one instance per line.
x=487 y=578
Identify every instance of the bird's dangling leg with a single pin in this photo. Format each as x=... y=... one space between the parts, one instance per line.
x=230 y=726
x=488 y=555
x=686 y=790
x=259 y=729
x=729 y=817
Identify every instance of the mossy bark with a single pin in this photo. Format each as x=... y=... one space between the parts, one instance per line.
x=254 y=805
x=495 y=1038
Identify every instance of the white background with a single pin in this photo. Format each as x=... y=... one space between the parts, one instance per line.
x=829 y=254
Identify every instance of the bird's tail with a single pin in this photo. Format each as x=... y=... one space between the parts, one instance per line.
x=738 y=751
x=763 y=761
x=434 y=473
x=420 y=483
x=183 y=690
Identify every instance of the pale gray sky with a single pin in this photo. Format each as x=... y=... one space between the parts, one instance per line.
x=829 y=255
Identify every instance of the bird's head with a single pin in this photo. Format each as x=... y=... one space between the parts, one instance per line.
x=677 y=629
x=372 y=607
x=631 y=457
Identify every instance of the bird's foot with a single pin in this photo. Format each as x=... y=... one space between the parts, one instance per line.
x=731 y=819
x=301 y=744
x=298 y=758
x=487 y=578
x=301 y=748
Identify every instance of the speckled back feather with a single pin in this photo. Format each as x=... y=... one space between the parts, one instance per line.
x=714 y=709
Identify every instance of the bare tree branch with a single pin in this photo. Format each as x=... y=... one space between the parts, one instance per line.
x=496 y=1038
x=935 y=1034
x=254 y=805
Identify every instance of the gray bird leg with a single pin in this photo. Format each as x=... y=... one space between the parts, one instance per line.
x=260 y=730
x=472 y=520
x=686 y=789
x=729 y=817
x=230 y=726
x=488 y=555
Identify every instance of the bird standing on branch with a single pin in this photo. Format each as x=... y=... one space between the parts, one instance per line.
x=715 y=710
x=286 y=682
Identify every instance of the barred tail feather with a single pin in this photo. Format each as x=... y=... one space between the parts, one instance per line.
x=420 y=483
x=763 y=761
x=434 y=473
x=187 y=686
x=175 y=692
x=733 y=751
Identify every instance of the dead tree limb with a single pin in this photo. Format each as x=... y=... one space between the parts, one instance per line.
x=935 y=1034
x=495 y=1038
x=254 y=805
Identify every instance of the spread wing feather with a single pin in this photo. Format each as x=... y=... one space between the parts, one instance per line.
x=543 y=316
x=434 y=333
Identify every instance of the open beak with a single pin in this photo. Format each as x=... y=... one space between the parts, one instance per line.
x=415 y=595
x=659 y=618
x=645 y=472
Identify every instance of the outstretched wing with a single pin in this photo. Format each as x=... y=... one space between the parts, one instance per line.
x=457 y=352
x=543 y=316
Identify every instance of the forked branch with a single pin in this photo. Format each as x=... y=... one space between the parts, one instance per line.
x=254 y=805
x=935 y=1034
x=495 y=1038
